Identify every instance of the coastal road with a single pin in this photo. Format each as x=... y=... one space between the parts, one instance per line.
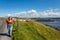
x=3 y=31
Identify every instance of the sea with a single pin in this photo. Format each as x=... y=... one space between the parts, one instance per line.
x=55 y=24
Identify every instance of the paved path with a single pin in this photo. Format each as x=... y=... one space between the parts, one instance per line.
x=3 y=31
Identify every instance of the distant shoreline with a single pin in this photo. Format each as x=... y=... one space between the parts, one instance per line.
x=45 y=20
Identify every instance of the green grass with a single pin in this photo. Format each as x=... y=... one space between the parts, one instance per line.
x=34 y=31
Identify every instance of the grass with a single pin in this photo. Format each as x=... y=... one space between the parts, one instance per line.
x=34 y=31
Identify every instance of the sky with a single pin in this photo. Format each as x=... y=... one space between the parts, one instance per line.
x=8 y=7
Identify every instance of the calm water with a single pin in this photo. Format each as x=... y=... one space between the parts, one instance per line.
x=53 y=24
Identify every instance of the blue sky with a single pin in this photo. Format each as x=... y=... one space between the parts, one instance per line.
x=14 y=6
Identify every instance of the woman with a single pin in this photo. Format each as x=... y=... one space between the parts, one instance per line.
x=9 y=22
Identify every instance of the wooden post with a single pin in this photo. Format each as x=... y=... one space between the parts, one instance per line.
x=17 y=25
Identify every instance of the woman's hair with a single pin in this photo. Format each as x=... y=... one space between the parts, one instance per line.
x=9 y=18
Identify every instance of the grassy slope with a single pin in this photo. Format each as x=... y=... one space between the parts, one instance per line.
x=34 y=31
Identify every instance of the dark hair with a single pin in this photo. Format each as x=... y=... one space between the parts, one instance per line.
x=9 y=18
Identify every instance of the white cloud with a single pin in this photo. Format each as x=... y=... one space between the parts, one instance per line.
x=50 y=13
x=27 y=14
x=9 y=15
x=33 y=13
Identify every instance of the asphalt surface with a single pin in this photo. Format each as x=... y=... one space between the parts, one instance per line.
x=3 y=31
